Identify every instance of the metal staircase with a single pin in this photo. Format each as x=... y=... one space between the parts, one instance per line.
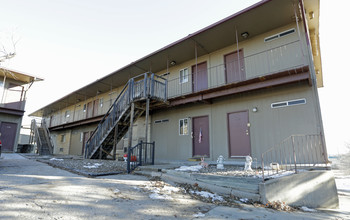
x=42 y=137
x=131 y=103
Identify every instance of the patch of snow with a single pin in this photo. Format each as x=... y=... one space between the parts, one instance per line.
x=56 y=159
x=153 y=189
x=195 y=168
x=245 y=200
x=116 y=191
x=96 y=165
x=343 y=183
x=281 y=173
x=208 y=195
x=198 y=215
x=170 y=189
x=306 y=209
x=158 y=196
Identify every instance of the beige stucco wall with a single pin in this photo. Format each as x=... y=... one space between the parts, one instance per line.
x=76 y=142
x=268 y=126
x=76 y=138
x=61 y=147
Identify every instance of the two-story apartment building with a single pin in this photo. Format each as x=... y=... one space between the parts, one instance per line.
x=13 y=88
x=234 y=88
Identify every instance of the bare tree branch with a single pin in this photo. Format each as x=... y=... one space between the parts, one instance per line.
x=7 y=53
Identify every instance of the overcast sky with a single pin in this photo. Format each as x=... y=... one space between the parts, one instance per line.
x=63 y=40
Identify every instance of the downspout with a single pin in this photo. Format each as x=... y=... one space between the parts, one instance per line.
x=195 y=54
x=75 y=107
x=3 y=88
x=239 y=62
x=314 y=82
x=299 y=35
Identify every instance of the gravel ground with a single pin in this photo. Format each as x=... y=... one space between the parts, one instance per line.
x=228 y=170
x=88 y=167
x=82 y=166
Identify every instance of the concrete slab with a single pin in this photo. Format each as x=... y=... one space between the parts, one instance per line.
x=314 y=189
x=12 y=156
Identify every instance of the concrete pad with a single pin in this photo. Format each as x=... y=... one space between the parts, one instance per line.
x=314 y=189
x=248 y=212
x=12 y=156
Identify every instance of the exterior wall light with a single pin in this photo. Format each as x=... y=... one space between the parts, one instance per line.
x=245 y=35
x=173 y=63
x=255 y=109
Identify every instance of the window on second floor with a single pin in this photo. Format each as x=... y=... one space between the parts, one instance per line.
x=184 y=75
x=101 y=102
x=84 y=109
x=67 y=114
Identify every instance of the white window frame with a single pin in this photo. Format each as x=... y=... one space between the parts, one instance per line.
x=63 y=138
x=81 y=137
x=101 y=102
x=183 y=77
x=287 y=103
x=183 y=130
x=279 y=35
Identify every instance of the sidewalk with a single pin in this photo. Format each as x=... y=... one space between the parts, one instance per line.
x=32 y=189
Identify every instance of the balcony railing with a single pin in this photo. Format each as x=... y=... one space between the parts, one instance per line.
x=295 y=153
x=286 y=57
x=136 y=89
x=81 y=114
x=158 y=88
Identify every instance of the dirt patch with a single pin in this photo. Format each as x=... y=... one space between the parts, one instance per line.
x=78 y=165
x=88 y=167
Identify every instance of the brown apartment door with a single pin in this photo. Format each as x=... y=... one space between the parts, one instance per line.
x=238 y=133
x=8 y=134
x=200 y=136
x=199 y=77
x=95 y=108
x=234 y=67
x=86 y=137
x=89 y=110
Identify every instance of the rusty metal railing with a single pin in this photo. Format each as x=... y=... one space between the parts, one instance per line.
x=293 y=154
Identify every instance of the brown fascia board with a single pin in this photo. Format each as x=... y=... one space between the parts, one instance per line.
x=11 y=111
x=256 y=5
x=273 y=80
x=88 y=121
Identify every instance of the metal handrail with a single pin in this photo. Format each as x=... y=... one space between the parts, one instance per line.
x=132 y=91
x=36 y=134
x=273 y=60
x=139 y=154
x=47 y=135
x=294 y=153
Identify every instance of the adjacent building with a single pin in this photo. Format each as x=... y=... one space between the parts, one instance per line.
x=237 y=87
x=13 y=89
